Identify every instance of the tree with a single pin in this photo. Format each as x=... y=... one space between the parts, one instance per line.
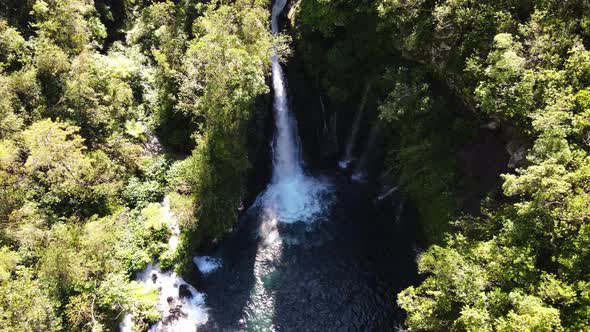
x=25 y=306
x=68 y=177
x=225 y=69
x=71 y=24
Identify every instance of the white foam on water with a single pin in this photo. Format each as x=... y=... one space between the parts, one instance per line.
x=343 y=164
x=359 y=177
x=207 y=264
x=181 y=305
x=296 y=198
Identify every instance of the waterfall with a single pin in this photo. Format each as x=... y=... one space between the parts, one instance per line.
x=286 y=151
x=292 y=195
x=182 y=307
x=350 y=145
x=361 y=171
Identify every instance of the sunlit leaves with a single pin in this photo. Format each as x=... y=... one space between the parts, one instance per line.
x=225 y=69
x=8 y=263
x=409 y=97
x=64 y=22
x=10 y=122
x=25 y=306
x=531 y=251
x=12 y=45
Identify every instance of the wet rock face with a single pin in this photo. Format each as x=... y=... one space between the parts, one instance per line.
x=184 y=292
x=479 y=164
x=517 y=145
x=174 y=314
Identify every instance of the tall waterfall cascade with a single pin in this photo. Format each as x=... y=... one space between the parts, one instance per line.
x=292 y=195
x=291 y=199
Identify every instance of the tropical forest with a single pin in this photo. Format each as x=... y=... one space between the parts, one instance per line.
x=294 y=165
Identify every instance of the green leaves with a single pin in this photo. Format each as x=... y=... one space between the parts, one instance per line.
x=409 y=98
x=226 y=69
x=25 y=306
x=54 y=146
x=69 y=177
x=224 y=72
x=64 y=22
x=120 y=295
x=506 y=87
x=521 y=267
x=12 y=45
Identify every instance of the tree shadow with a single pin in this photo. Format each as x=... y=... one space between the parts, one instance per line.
x=228 y=289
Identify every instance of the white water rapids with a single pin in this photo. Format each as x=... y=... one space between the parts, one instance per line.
x=181 y=305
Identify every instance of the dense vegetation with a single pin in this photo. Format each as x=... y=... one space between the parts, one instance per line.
x=108 y=106
x=85 y=86
x=444 y=70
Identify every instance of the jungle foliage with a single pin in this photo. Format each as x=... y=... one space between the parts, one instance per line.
x=106 y=107
x=522 y=263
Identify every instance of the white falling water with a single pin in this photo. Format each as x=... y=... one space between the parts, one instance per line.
x=286 y=151
x=292 y=195
x=181 y=305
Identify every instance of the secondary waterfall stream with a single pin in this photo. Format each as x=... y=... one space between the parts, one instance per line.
x=182 y=307
x=351 y=143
